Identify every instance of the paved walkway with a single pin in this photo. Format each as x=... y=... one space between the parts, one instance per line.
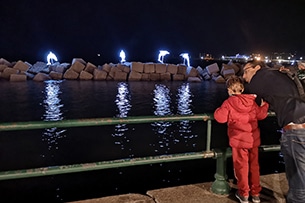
x=274 y=190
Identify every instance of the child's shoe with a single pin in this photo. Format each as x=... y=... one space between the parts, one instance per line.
x=256 y=199
x=242 y=199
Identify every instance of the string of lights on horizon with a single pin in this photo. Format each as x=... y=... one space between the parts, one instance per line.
x=52 y=58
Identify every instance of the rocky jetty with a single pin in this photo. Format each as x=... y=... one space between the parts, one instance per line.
x=220 y=73
x=79 y=69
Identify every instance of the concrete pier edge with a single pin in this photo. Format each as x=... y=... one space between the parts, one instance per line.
x=274 y=190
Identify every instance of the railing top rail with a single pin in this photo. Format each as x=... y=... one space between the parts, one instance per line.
x=30 y=125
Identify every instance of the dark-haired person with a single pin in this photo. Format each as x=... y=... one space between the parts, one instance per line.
x=284 y=99
x=241 y=113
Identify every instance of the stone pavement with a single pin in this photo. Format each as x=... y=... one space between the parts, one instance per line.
x=275 y=188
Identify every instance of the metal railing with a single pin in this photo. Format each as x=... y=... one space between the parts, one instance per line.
x=219 y=186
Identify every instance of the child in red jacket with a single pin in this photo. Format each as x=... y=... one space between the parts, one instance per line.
x=241 y=113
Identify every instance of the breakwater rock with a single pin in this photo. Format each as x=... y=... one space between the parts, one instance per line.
x=82 y=70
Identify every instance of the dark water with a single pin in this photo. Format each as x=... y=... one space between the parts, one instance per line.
x=58 y=100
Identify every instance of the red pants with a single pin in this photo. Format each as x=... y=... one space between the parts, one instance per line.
x=246 y=170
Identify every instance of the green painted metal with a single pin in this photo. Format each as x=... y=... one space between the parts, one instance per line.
x=270 y=148
x=209 y=134
x=219 y=186
x=56 y=170
x=98 y=122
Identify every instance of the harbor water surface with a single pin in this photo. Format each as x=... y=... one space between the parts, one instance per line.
x=60 y=100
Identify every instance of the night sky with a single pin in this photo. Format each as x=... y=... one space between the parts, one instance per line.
x=86 y=28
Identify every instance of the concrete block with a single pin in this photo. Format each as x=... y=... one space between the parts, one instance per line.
x=99 y=74
x=182 y=69
x=155 y=76
x=193 y=72
x=120 y=76
x=165 y=76
x=55 y=75
x=20 y=65
x=70 y=74
x=40 y=77
x=161 y=68
x=193 y=79
x=79 y=60
x=90 y=67
x=18 y=78
x=106 y=67
x=8 y=71
x=172 y=69
x=2 y=67
x=78 y=66
x=219 y=79
x=137 y=67
x=145 y=77
x=149 y=68
x=134 y=76
x=5 y=62
x=228 y=72
x=178 y=77
x=212 y=68
x=84 y=75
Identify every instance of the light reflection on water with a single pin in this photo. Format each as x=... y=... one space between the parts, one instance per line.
x=184 y=102
x=123 y=107
x=52 y=104
x=52 y=136
x=163 y=106
x=52 y=101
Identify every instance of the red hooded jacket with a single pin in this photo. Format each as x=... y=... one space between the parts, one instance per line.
x=241 y=114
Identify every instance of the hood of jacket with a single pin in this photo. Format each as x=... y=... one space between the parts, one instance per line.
x=242 y=102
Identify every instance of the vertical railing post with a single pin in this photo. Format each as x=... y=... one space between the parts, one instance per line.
x=209 y=133
x=221 y=185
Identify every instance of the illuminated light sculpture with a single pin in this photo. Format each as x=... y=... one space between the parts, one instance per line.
x=123 y=56
x=51 y=58
x=186 y=58
x=162 y=53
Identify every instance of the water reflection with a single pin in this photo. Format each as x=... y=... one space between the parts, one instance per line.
x=162 y=107
x=184 y=101
x=166 y=131
x=123 y=106
x=52 y=104
x=51 y=136
x=162 y=103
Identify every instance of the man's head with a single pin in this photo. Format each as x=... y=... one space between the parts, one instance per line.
x=250 y=69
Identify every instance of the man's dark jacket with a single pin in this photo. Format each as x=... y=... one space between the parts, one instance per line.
x=281 y=93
